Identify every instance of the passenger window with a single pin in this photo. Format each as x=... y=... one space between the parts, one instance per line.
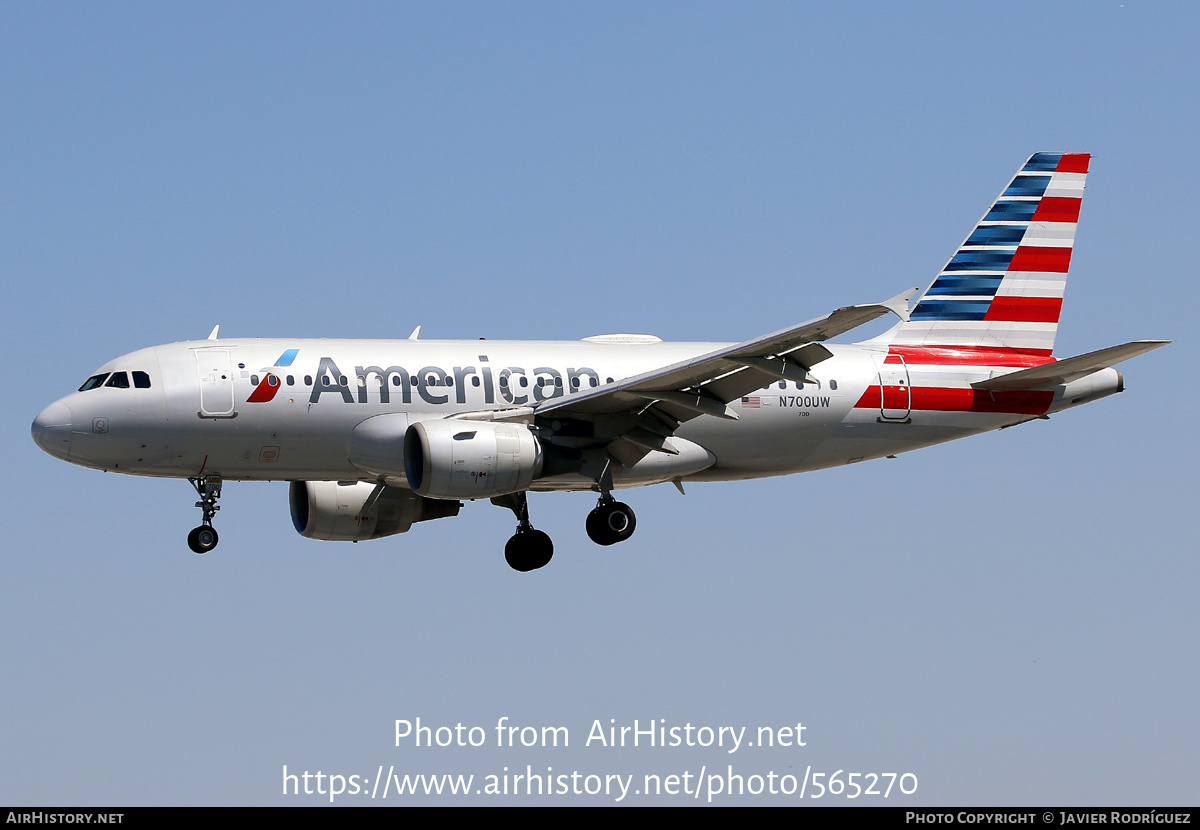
x=254 y=380
x=291 y=379
x=308 y=380
x=141 y=380
x=93 y=382
x=119 y=380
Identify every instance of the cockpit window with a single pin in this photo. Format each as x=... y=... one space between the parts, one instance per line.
x=141 y=380
x=119 y=380
x=93 y=382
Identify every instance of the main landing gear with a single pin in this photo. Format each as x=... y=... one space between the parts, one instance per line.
x=527 y=549
x=610 y=522
x=204 y=538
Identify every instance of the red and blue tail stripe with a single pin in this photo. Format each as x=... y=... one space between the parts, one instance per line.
x=1003 y=287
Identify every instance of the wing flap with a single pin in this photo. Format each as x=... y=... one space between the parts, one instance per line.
x=732 y=386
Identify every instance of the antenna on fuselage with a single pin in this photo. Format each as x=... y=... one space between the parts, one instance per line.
x=212 y=335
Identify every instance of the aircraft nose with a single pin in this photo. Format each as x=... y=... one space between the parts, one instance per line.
x=52 y=430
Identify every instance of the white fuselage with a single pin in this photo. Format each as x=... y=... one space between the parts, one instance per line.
x=245 y=410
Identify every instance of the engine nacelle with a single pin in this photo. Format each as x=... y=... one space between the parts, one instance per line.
x=354 y=511
x=470 y=459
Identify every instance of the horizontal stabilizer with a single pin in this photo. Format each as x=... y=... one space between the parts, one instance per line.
x=1072 y=368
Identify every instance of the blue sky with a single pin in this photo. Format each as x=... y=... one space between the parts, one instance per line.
x=1010 y=618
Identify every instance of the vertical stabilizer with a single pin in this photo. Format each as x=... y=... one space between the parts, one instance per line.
x=1003 y=288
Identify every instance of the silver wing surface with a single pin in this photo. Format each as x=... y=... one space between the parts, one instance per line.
x=638 y=415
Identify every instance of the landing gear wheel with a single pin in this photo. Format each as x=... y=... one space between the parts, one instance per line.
x=528 y=550
x=202 y=539
x=610 y=522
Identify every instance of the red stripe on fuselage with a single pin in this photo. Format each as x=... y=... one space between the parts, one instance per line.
x=940 y=399
x=972 y=355
x=1025 y=309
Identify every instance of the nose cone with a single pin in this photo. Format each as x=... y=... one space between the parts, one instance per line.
x=52 y=430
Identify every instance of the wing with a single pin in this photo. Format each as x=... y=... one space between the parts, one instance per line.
x=638 y=415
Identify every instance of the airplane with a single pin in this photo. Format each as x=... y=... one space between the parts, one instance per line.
x=375 y=435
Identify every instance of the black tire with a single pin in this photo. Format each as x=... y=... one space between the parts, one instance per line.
x=202 y=539
x=528 y=550
x=610 y=523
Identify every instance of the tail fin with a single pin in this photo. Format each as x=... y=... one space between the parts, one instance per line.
x=1003 y=288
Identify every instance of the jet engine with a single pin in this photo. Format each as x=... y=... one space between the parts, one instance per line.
x=354 y=511
x=470 y=459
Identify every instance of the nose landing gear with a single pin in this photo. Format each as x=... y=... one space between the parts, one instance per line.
x=204 y=538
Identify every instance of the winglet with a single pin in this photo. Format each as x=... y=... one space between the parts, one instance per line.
x=899 y=303
x=212 y=335
x=415 y=333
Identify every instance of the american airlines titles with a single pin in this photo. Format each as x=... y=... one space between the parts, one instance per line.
x=511 y=383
